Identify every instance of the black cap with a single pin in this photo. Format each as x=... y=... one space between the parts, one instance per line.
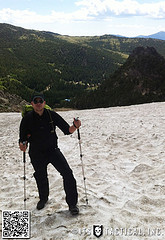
x=38 y=96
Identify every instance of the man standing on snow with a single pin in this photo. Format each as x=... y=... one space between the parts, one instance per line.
x=38 y=128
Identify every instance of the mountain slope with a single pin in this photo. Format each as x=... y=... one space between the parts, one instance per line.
x=159 y=35
x=141 y=79
x=121 y=45
x=47 y=62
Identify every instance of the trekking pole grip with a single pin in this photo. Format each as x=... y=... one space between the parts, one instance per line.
x=24 y=160
x=24 y=157
x=78 y=133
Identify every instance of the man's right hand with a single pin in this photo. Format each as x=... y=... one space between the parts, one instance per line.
x=23 y=146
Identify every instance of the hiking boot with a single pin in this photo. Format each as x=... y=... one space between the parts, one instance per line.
x=74 y=210
x=41 y=204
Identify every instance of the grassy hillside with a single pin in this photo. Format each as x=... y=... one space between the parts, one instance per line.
x=122 y=45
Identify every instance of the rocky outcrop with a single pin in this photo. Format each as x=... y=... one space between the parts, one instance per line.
x=10 y=102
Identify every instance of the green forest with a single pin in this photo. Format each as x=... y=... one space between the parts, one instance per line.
x=62 y=67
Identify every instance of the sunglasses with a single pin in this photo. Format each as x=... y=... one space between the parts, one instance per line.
x=38 y=101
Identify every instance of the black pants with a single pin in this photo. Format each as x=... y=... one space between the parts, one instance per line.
x=40 y=161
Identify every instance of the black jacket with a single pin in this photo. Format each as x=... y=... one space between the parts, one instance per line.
x=41 y=129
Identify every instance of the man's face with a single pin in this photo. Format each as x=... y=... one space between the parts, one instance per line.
x=38 y=105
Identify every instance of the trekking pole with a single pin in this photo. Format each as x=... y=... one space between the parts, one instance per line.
x=24 y=161
x=84 y=178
